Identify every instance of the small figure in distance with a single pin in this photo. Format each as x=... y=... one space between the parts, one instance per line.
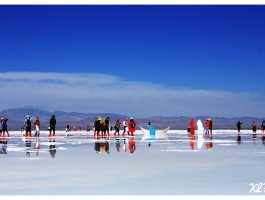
x=52 y=125
x=132 y=127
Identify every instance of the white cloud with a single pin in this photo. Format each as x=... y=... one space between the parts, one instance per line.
x=87 y=92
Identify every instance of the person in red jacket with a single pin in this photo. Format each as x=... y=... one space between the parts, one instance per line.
x=192 y=128
x=207 y=127
x=132 y=126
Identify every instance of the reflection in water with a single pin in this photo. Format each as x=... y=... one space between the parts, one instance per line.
x=37 y=146
x=118 y=145
x=263 y=139
x=28 y=140
x=209 y=143
x=101 y=146
x=3 y=142
x=200 y=141
x=150 y=140
x=52 y=148
x=28 y=145
x=238 y=139
x=192 y=143
x=254 y=138
x=129 y=145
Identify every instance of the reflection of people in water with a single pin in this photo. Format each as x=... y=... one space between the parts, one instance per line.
x=118 y=145
x=101 y=146
x=37 y=146
x=28 y=146
x=238 y=139
x=152 y=132
x=263 y=127
x=97 y=146
x=263 y=139
x=3 y=142
x=129 y=144
x=209 y=143
x=192 y=143
x=132 y=146
x=52 y=148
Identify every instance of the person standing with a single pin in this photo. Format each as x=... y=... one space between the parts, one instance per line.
x=254 y=127
x=52 y=125
x=37 y=127
x=125 y=126
x=117 y=127
x=254 y=130
x=211 y=126
x=132 y=127
x=97 y=126
x=262 y=131
x=207 y=127
x=4 y=127
x=107 y=122
x=192 y=128
x=263 y=126
x=238 y=126
x=1 y=121
x=27 y=125
x=103 y=127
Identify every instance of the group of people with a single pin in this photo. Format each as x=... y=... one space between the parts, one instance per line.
x=36 y=122
x=102 y=127
x=208 y=127
x=254 y=126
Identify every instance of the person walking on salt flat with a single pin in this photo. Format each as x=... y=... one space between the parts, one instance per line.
x=117 y=127
x=27 y=125
x=125 y=126
x=238 y=126
x=107 y=122
x=192 y=128
x=37 y=127
x=52 y=125
x=132 y=127
x=4 y=127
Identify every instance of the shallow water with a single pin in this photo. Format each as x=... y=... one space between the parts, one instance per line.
x=182 y=165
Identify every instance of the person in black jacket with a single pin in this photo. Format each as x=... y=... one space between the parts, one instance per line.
x=52 y=125
x=238 y=126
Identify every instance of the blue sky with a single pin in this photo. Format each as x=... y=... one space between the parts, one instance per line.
x=214 y=49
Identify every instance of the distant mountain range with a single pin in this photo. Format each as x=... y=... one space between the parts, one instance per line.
x=17 y=116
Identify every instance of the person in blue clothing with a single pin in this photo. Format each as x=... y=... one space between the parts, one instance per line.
x=152 y=132
x=4 y=127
